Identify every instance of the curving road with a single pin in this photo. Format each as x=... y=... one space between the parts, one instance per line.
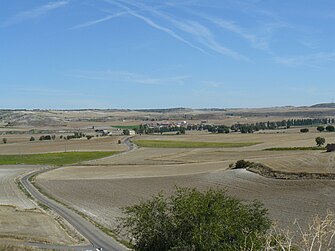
x=93 y=234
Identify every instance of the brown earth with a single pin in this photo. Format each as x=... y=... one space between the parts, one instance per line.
x=101 y=199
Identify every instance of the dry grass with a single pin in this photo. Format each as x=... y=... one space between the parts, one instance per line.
x=28 y=225
x=21 y=248
x=318 y=236
x=10 y=194
x=305 y=161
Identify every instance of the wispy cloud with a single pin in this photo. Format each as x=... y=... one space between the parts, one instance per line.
x=153 y=24
x=312 y=60
x=231 y=26
x=97 y=21
x=34 y=13
x=122 y=77
x=199 y=31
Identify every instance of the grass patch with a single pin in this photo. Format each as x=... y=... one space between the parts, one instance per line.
x=311 y=148
x=189 y=144
x=129 y=127
x=55 y=159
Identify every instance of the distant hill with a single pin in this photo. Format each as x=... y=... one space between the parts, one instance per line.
x=324 y=105
x=165 y=110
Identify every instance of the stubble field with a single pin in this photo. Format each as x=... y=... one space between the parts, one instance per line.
x=20 y=218
x=100 y=188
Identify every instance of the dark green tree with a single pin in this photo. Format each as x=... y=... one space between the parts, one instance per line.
x=330 y=128
x=242 y=164
x=193 y=220
x=304 y=130
x=4 y=140
x=320 y=141
x=320 y=128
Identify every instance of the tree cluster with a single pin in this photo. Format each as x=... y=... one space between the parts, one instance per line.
x=146 y=129
x=193 y=220
x=76 y=135
x=45 y=137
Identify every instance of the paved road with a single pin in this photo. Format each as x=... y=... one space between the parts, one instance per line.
x=95 y=236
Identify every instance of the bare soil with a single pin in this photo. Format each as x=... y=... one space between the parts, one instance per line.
x=101 y=199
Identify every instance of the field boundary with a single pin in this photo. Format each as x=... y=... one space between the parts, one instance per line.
x=312 y=148
x=267 y=172
x=191 y=144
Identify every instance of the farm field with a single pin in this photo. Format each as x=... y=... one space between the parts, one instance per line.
x=267 y=139
x=10 y=194
x=20 y=218
x=190 y=144
x=100 y=187
x=96 y=144
x=54 y=159
x=31 y=225
x=101 y=199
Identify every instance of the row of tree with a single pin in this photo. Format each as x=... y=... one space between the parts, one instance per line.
x=146 y=129
x=328 y=128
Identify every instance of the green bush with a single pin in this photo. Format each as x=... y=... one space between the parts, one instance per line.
x=193 y=220
x=304 y=130
x=240 y=164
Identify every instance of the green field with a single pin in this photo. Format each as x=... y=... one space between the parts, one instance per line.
x=129 y=127
x=55 y=159
x=311 y=148
x=189 y=144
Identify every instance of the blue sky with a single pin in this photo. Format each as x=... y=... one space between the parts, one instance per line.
x=175 y=53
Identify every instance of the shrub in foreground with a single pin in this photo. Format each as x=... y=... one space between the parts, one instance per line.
x=194 y=220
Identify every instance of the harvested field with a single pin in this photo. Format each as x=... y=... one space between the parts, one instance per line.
x=10 y=194
x=270 y=139
x=306 y=161
x=147 y=162
x=96 y=144
x=19 y=218
x=99 y=188
x=101 y=199
x=30 y=225
x=190 y=144
x=169 y=156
